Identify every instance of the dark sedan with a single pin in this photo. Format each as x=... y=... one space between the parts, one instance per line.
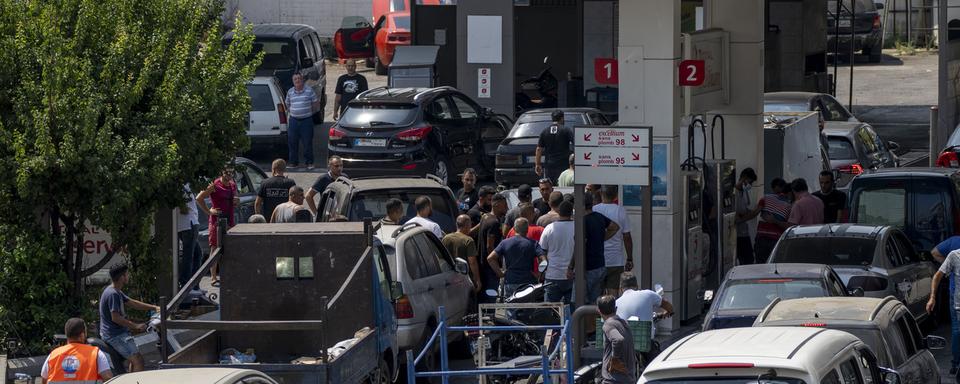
x=750 y=288
x=514 y=161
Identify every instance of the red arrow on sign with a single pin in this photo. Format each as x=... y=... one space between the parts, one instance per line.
x=636 y=157
x=586 y=136
x=636 y=138
x=586 y=156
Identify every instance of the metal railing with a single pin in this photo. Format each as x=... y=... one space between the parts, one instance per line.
x=545 y=359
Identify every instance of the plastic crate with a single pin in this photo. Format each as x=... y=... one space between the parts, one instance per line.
x=641 y=331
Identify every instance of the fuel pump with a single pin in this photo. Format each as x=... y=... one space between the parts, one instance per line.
x=720 y=216
x=694 y=244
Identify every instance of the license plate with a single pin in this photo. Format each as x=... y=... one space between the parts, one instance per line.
x=370 y=142
x=844 y=23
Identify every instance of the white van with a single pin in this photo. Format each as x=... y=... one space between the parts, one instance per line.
x=268 y=115
x=783 y=355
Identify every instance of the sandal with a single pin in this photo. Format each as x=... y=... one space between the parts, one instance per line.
x=215 y=283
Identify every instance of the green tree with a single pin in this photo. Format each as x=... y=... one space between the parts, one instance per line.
x=106 y=108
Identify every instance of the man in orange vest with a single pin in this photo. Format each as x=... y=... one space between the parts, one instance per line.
x=76 y=361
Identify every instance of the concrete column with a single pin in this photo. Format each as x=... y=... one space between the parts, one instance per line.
x=502 y=74
x=648 y=55
x=744 y=19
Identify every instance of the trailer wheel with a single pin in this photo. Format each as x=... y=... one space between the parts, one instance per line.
x=381 y=375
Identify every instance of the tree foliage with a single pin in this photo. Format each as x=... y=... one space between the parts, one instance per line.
x=106 y=108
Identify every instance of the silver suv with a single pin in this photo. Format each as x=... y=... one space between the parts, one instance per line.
x=430 y=278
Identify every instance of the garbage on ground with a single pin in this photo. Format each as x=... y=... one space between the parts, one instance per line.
x=233 y=356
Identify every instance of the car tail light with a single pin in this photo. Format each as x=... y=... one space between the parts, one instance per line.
x=876 y=21
x=398 y=37
x=402 y=308
x=409 y=167
x=820 y=325
x=282 y=110
x=415 y=134
x=719 y=365
x=852 y=169
x=337 y=134
x=948 y=159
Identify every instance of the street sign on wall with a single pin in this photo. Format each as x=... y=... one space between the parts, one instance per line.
x=605 y=71
x=612 y=155
x=483 y=83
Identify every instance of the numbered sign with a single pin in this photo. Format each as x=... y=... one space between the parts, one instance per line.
x=605 y=71
x=692 y=73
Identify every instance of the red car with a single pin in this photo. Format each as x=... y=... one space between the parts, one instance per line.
x=379 y=41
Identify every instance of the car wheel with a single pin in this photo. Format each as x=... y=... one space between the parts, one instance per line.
x=381 y=375
x=368 y=62
x=379 y=68
x=874 y=54
x=441 y=169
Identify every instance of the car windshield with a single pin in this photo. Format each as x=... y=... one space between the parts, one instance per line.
x=260 y=97
x=954 y=139
x=785 y=107
x=826 y=250
x=730 y=380
x=885 y=205
x=402 y=22
x=532 y=125
x=372 y=115
x=373 y=204
x=841 y=149
x=756 y=294
x=277 y=54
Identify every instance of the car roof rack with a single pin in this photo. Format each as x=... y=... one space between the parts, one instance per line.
x=434 y=178
x=404 y=228
x=368 y=91
x=883 y=303
x=432 y=90
x=766 y=310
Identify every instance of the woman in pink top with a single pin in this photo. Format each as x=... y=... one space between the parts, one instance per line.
x=224 y=197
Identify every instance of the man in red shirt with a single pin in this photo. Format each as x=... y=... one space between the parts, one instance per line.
x=773 y=208
x=807 y=209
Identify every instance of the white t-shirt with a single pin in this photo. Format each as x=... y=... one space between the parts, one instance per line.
x=428 y=224
x=639 y=304
x=557 y=241
x=103 y=365
x=613 y=252
x=186 y=220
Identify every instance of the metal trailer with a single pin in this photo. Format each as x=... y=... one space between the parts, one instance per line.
x=288 y=293
x=545 y=359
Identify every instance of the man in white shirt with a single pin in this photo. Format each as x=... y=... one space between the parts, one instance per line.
x=287 y=212
x=188 y=227
x=557 y=242
x=424 y=209
x=637 y=304
x=615 y=259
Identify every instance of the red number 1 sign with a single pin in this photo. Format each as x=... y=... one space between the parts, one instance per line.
x=605 y=71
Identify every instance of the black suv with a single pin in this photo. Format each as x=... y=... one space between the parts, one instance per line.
x=867 y=28
x=417 y=131
x=357 y=199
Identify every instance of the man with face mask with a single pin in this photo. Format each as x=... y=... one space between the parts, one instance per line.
x=744 y=215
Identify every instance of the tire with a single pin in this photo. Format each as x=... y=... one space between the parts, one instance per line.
x=442 y=169
x=379 y=68
x=381 y=375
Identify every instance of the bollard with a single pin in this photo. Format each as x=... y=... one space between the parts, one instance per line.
x=411 y=373
x=934 y=135
x=442 y=328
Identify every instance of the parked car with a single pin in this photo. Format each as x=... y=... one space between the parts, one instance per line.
x=430 y=278
x=290 y=48
x=830 y=109
x=747 y=289
x=922 y=202
x=883 y=324
x=392 y=29
x=194 y=376
x=267 y=121
x=513 y=200
x=877 y=259
x=866 y=24
x=515 y=153
x=950 y=155
x=416 y=131
x=356 y=199
x=788 y=355
x=248 y=177
x=855 y=147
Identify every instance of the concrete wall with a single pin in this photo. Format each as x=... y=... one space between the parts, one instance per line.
x=547 y=31
x=502 y=82
x=324 y=15
x=599 y=36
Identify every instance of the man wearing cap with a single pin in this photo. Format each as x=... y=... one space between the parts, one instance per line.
x=76 y=361
x=555 y=143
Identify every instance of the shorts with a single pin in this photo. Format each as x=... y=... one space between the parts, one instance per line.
x=612 y=280
x=124 y=344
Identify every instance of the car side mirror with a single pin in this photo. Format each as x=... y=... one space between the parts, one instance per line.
x=487 y=112
x=935 y=342
x=889 y=376
x=396 y=290
x=461 y=266
x=856 y=292
x=893 y=146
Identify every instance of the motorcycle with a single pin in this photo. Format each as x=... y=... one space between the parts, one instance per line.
x=117 y=362
x=538 y=91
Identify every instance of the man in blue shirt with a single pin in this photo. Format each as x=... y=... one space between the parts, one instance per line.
x=302 y=103
x=939 y=254
x=518 y=254
x=114 y=325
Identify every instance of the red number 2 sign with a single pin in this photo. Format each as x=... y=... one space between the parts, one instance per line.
x=691 y=72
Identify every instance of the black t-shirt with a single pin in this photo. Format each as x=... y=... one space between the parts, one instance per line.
x=348 y=87
x=833 y=203
x=489 y=227
x=541 y=206
x=556 y=141
x=323 y=181
x=476 y=213
x=274 y=191
x=466 y=200
x=594 y=228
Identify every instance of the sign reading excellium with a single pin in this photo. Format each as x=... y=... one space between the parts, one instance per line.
x=612 y=155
